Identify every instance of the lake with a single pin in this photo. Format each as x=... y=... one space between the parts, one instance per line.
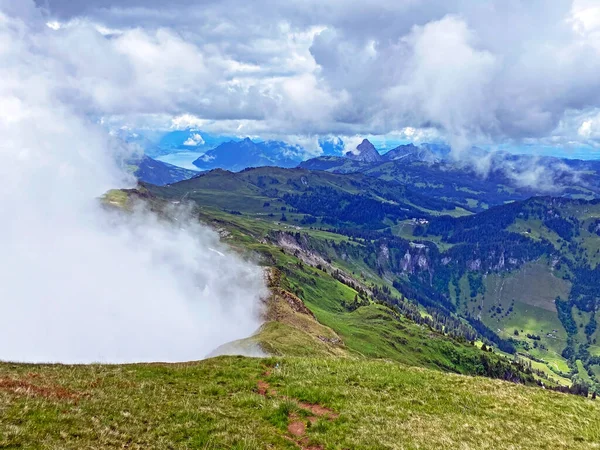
x=181 y=159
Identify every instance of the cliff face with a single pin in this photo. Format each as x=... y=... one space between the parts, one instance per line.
x=365 y=152
x=394 y=258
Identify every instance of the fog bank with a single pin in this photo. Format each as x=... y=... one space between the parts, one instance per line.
x=81 y=283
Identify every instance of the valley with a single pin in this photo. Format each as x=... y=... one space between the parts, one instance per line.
x=499 y=271
x=463 y=322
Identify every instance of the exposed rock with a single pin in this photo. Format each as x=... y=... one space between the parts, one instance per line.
x=366 y=152
x=295 y=303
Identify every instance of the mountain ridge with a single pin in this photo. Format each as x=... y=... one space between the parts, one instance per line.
x=239 y=155
x=415 y=246
x=374 y=296
x=157 y=172
x=365 y=152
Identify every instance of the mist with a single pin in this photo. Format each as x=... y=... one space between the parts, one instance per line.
x=82 y=283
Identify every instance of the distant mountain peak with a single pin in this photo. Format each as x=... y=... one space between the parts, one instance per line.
x=366 y=152
x=238 y=155
x=409 y=152
x=159 y=173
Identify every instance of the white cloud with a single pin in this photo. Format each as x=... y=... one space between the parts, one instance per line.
x=186 y=121
x=585 y=19
x=585 y=130
x=194 y=140
x=81 y=283
x=589 y=129
x=54 y=25
x=447 y=80
x=351 y=142
x=477 y=72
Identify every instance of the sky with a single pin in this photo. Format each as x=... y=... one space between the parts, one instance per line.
x=509 y=74
x=86 y=283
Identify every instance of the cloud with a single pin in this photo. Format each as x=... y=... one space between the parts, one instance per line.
x=83 y=283
x=585 y=20
x=194 y=140
x=370 y=69
x=351 y=143
x=489 y=72
x=186 y=121
x=590 y=127
x=585 y=130
x=446 y=80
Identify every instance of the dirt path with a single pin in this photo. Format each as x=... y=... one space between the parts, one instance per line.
x=297 y=425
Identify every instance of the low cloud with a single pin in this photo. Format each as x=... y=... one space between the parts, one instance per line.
x=351 y=143
x=84 y=283
x=194 y=140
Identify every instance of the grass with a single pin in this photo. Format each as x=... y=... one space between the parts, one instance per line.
x=533 y=288
x=582 y=373
x=404 y=229
x=589 y=241
x=534 y=229
x=291 y=330
x=581 y=318
x=115 y=197
x=215 y=404
x=373 y=331
x=139 y=406
x=563 y=381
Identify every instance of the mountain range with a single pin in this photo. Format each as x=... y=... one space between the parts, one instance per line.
x=157 y=172
x=456 y=300
x=485 y=257
x=430 y=153
x=521 y=276
x=427 y=168
x=430 y=170
x=239 y=155
x=156 y=144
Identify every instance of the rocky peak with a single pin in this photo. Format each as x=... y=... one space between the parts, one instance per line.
x=365 y=152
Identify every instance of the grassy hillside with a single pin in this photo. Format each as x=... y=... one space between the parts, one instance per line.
x=465 y=186
x=500 y=270
x=370 y=336
x=522 y=304
x=250 y=207
x=266 y=190
x=278 y=403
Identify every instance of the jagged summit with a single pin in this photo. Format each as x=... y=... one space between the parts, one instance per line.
x=411 y=152
x=366 y=152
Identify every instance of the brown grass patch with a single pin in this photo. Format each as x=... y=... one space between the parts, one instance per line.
x=21 y=387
